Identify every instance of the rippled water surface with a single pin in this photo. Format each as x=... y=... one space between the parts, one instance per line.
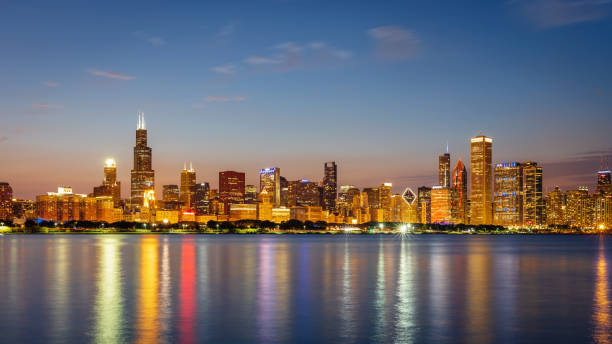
x=282 y=288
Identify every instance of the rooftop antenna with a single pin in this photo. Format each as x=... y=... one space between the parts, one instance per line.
x=446 y=146
x=184 y=165
x=190 y=166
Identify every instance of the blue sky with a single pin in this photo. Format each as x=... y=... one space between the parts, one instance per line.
x=377 y=86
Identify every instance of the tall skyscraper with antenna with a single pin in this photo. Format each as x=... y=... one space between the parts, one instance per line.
x=142 y=176
x=188 y=182
x=444 y=171
x=604 y=178
x=481 y=180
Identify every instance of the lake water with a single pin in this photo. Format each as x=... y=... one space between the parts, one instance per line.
x=309 y=288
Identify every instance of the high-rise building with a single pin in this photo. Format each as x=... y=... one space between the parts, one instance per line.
x=269 y=180
x=555 y=207
x=6 y=202
x=330 y=186
x=110 y=186
x=384 y=197
x=424 y=204
x=481 y=180
x=201 y=200
x=143 y=176
x=264 y=206
x=444 y=171
x=603 y=210
x=303 y=193
x=23 y=209
x=604 y=179
x=231 y=188
x=171 y=196
x=579 y=208
x=346 y=196
x=459 y=193
x=441 y=205
x=284 y=193
x=250 y=194
x=188 y=182
x=373 y=199
x=507 y=200
x=532 y=197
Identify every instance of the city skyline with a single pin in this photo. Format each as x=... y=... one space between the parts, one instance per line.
x=247 y=89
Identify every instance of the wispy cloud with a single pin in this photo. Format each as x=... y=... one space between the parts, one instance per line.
x=228 y=29
x=157 y=41
x=224 y=69
x=261 y=60
x=110 y=75
x=394 y=42
x=47 y=106
x=224 y=99
x=555 y=13
x=3 y=139
x=291 y=55
x=50 y=83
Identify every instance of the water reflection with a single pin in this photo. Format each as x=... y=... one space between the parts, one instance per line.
x=601 y=310
x=109 y=300
x=478 y=292
x=187 y=292
x=147 y=325
x=405 y=318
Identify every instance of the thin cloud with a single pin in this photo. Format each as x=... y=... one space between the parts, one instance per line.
x=394 y=42
x=556 y=13
x=261 y=60
x=47 y=106
x=224 y=69
x=110 y=75
x=224 y=99
x=227 y=30
x=291 y=55
x=50 y=83
x=157 y=41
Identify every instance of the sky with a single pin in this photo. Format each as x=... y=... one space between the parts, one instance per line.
x=377 y=86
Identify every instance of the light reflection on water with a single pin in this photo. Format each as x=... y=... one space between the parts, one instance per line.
x=188 y=289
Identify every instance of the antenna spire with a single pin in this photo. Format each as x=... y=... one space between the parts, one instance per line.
x=190 y=166
x=446 y=146
x=184 y=165
x=141 y=121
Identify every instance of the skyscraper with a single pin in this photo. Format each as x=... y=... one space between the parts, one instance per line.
x=250 y=194
x=188 y=181
x=444 y=172
x=110 y=186
x=6 y=202
x=604 y=179
x=507 y=200
x=269 y=180
x=201 y=200
x=424 y=205
x=579 y=211
x=330 y=186
x=533 y=200
x=460 y=193
x=555 y=207
x=231 y=188
x=481 y=177
x=171 y=196
x=143 y=176
x=384 y=194
x=441 y=204
x=303 y=193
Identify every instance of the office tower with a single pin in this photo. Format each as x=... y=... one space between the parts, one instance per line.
x=533 y=200
x=64 y=205
x=604 y=179
x=372 y=198
x=444 y=172
x=424 y=205
x=264 y=206
x=250 y=194
x=481 y=178
x=303 y=193
x=507 y=200
x=269 y=180
x=284 y=193
x=201 y=200
x=579 y=208
x=603 y=210
x=459 y=193
x=409 y=213
x=330 y=186
x=555 y=207
x=110 y=186
x=384 y=197
x=188 y=181
x=171 y=197
x=231 y=188
x=143 y=176
x=346 y=196
x=441 y=204
x=6 y=202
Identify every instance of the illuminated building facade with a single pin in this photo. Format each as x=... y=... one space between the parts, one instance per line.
x=555 y=208
x=143 y=176
x=242 y=211
x=171 y=196
x=481 y=180
x=384 y=197
x=264 y=207
x=110 y=186
x=188 y=182
x=306 y=213
x=6 y=202
x=372 y=200
x=23 y=209
x=330 y=186
x=284 y=193
x=201 y=198
x=250 y=193
x=579 y=209
x=507 y=200
x=603 y=210
x=63 y=205
x=459 y=193
x=303 y=193
x=231 y=188
x=441 y=205
x=281 y=214
x=424 y=205
x=604 y=179
x=346 y=196
x=444 y=171
x=269 y=180
x=532 y=197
